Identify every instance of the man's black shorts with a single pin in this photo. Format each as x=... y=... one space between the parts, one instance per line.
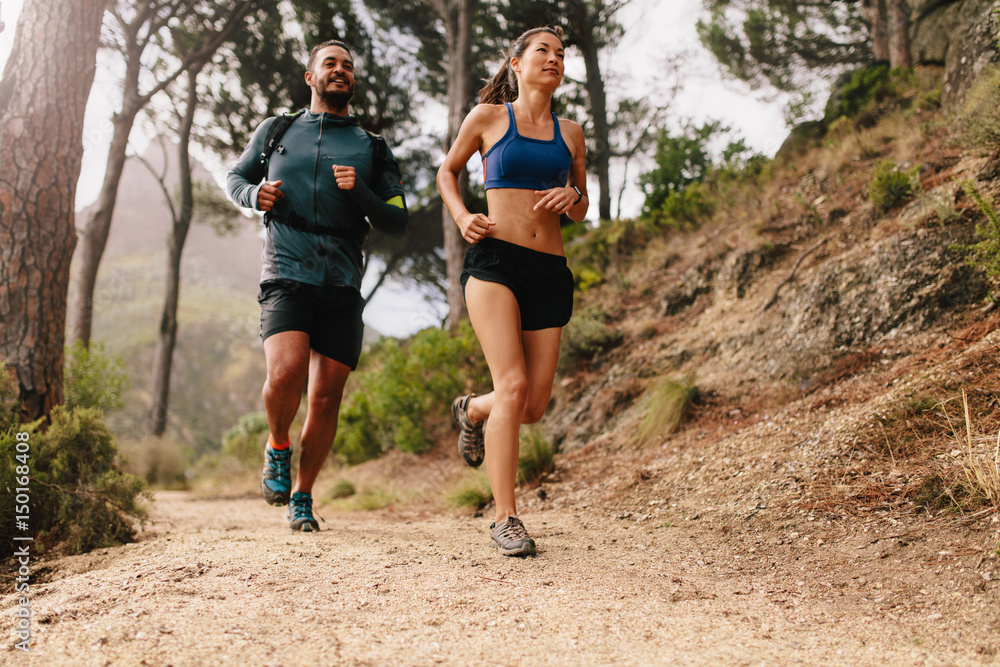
x=541 y=282
x=330 y=315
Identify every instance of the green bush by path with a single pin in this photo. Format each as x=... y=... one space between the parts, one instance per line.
x=245 y=441
x=404 y=392
x=79 y=499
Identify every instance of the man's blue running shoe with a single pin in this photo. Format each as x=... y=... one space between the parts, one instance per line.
x=276 y=480
x=300 y=513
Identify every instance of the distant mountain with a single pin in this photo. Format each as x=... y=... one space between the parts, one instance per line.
x=141 y=223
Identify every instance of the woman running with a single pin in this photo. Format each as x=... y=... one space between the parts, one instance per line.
x=518 y=288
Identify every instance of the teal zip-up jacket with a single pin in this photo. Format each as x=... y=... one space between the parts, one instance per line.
x=303 y=162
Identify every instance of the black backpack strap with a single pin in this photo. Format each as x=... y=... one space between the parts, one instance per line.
x=383 y=160
x=274 y=133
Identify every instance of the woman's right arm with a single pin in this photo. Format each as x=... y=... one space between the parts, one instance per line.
x=474 y=226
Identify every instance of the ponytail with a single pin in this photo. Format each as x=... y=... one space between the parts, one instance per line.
x=503 y=86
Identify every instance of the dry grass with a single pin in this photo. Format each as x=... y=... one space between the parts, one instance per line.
x=666 y=405
x=471 y=492
x=980 y=469
x=536 y=458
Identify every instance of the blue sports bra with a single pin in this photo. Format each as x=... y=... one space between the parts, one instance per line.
x=522 y=162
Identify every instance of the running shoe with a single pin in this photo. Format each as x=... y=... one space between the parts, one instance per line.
x=300 y=513
x=276 y=479
x=511 y=539
x=471 y=444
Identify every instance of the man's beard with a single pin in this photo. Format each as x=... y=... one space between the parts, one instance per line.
x=335 y=99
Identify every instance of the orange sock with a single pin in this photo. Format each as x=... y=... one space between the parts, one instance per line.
x=284 y=445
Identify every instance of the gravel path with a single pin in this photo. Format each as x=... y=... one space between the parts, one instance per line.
x=223 y=581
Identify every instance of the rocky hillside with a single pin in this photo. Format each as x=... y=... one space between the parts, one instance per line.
x=829 y=341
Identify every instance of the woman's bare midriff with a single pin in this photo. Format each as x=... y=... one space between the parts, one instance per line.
x=517 y=222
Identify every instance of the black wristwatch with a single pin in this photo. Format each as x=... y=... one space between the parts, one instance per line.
x=579 y=195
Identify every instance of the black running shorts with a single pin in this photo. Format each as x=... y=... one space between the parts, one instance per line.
x=330 y=315
x=541 y=282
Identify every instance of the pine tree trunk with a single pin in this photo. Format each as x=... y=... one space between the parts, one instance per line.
x=166 y=339
x=94 y=234
x=899 y=34
x=458 y=24
x=601 y=153
x=41 y=150
x=874 y=12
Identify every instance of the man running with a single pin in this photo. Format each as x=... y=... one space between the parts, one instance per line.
x=320 y=182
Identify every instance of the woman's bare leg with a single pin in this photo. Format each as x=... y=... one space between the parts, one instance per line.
x=496 y=319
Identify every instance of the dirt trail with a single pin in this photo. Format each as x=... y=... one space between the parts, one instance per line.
x=222 y=581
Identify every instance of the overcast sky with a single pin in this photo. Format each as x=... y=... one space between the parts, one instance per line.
x=654 y=31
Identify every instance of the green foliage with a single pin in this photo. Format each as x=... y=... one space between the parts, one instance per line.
x=245 y=440
x=680 y=161
x=985 y=253
x=679 y=189
x=536 y=458
x=784 y=43
x=79 y=500
x=863 y=88
x=9 y=405
x=472 y=492
x=610 y=243
x=404 y=390
x=585 y=336
x=587 y=278
x=889 y=184
x=666 y=405
x=93 y=380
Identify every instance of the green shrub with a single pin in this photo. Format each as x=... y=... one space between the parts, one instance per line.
x=889 y=184
x=473 y=491
x=609 y=244
x=79 y=498
x=405 y=390
x=585 y=336
x=864 y=88
x=985 y=253
x=684 y=209
x=586 y=278
x=245 y=440
x=93 y=380
x=666 y=405
x=536 y=458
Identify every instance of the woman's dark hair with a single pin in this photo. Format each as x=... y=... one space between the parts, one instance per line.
x=503 y=86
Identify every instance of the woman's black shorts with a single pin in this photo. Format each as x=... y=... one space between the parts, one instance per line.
x=330 y=315
x=541 y=282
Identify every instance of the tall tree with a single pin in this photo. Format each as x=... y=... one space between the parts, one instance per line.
x=785 y=43
x=453 y=20
x=181 y=213
x=135 y=28
x=594 y=28
x=41 y=148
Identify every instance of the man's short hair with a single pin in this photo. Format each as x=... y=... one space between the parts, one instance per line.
x=316 y=49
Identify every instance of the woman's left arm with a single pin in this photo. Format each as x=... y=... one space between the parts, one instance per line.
x=578 y=171
x=564 y=199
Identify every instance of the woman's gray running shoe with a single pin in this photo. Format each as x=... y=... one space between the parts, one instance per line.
x=511 y=539
x=300 y=513
x=471 y=444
